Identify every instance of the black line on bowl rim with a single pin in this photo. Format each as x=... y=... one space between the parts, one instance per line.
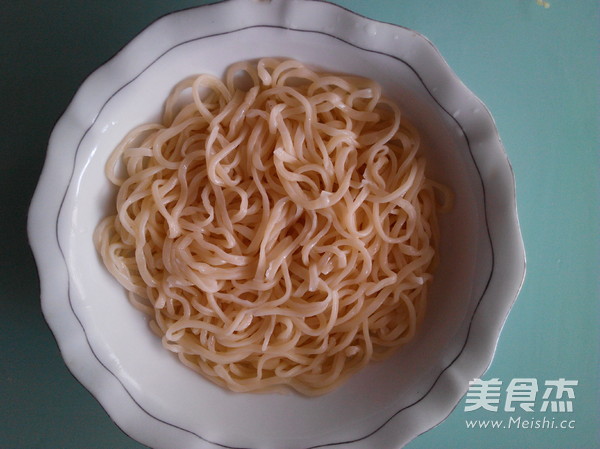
x=324 y=445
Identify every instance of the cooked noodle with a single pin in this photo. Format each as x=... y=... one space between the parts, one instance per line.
x=277 y=226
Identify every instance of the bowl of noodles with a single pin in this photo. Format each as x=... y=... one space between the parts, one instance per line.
x=276 y=225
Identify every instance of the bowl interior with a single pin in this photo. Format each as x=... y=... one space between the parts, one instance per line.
x=119 y=335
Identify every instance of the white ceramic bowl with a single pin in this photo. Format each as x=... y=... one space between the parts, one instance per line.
x=107 y=344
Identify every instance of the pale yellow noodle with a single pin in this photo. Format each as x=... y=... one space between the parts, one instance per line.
x=277 y=226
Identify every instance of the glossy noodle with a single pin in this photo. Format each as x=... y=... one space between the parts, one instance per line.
x=277 y=226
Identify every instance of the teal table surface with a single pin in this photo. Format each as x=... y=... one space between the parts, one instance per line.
x=536 y=68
